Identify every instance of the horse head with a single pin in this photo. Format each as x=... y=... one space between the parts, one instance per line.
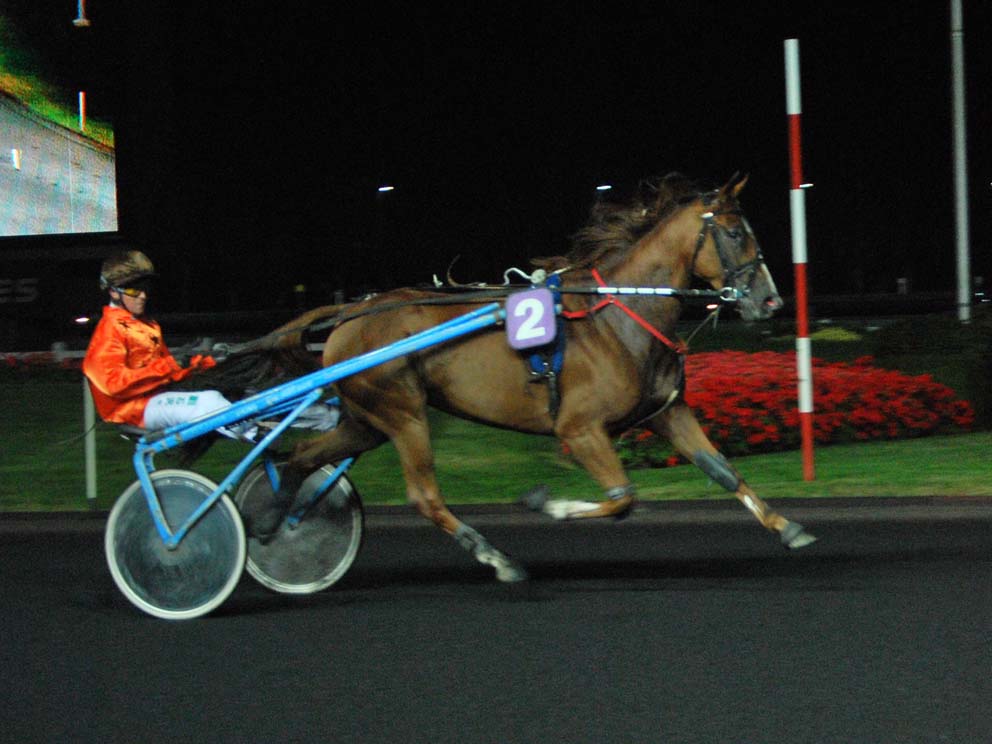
x=727 y=254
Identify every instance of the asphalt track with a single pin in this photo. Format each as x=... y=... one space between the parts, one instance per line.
x=684 y=623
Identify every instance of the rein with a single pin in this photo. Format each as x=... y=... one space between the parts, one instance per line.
x=477 y=295
x=678 y=347
x=489 y=292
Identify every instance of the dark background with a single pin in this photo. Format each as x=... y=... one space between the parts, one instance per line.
x=251 y=137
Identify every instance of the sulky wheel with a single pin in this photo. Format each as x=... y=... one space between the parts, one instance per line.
x=200 y=572
x=319 y=550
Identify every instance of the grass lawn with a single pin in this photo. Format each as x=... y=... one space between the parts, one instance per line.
x=474 y=466
x=41 y=465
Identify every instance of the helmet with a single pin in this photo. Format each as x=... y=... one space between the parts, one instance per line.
x=125 y=267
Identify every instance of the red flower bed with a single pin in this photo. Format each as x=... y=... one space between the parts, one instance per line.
x=747 y=403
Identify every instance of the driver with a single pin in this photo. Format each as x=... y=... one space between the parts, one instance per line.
x=127 y=362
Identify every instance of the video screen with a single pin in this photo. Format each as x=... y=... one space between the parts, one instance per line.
x=57 y=158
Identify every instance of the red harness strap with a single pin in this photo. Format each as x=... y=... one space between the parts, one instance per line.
x=678 y=348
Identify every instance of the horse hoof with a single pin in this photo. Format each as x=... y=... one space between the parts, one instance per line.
x=507 y=569
x=264 y=523
x=794 y=536
x=511 y=573
x=624 y=507
x=536 y=498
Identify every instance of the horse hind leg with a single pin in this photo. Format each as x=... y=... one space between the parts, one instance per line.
x=349 y=439
x=682 y=429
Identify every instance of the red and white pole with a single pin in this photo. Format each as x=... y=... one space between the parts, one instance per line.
x=797 y=205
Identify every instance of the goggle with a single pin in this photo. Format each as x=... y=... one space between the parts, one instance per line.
x=135 y=289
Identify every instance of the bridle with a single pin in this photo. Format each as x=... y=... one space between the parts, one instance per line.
x=732 y=273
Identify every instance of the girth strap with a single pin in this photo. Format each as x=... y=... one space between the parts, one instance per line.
x=546 y=363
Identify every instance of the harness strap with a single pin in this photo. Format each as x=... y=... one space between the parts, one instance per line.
x=546 y=363
x=678 y=347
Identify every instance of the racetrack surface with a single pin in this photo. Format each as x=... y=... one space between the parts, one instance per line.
x=683 y=623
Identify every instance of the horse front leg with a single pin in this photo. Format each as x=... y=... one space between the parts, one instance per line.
x=592 y=447
x=679 y=425
x=417 y=460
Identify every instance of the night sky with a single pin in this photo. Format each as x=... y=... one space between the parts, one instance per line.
x=252 y=136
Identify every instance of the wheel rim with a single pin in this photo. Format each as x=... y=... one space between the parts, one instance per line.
x=203 y=569
x=320 y=550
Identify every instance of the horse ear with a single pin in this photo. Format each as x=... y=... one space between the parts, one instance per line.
x=734 y=186
x=739 y=186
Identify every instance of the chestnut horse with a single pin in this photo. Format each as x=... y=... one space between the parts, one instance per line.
x=621 y=365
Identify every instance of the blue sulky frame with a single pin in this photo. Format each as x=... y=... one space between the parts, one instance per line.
x=290 y=398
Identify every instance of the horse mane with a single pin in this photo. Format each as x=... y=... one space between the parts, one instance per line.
x=613 y=229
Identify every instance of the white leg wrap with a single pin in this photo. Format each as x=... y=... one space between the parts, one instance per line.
x=564 y=509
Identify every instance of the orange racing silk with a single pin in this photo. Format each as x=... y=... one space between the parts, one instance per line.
x=126 y=363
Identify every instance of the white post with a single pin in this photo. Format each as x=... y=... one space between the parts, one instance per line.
x=89 y=447
x=797 y=204
x=960 y=162
x=81 y=21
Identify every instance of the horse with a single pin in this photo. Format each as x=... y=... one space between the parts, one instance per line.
x=621 y=366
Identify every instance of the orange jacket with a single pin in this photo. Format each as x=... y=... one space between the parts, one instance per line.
x=127 y=362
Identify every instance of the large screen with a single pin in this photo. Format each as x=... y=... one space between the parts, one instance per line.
x=57 y=162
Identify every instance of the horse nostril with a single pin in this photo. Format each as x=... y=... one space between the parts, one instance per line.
x=774 y=302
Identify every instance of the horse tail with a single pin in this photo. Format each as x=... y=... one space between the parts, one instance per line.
x=277 y=357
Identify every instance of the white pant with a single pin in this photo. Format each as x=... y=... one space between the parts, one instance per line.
x=169 y=409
